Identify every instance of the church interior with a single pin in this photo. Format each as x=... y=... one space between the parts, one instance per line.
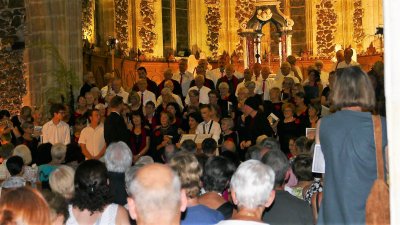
x=48 y=48
x=46 y=45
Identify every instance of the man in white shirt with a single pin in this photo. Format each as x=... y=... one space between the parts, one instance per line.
x=144 y=94
x=348 y=62
x=56 y=131
x=264 y=83
x=108 y=79
x=208 y=126
x=184 y=77
x=116 y=89
x=286 y=71
x=203 y=90
x=91 y=139
x=248 y=76
x=219 y=72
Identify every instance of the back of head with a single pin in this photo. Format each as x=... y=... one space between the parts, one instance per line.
x=156 y=192
x=44 y=154
x=61 y=181
x=278 y=161
x=189 y=171
x=252 y=183
x=58 y=152
x=91 y=188
x=6 y=150
x=14 y=165
x=302 y=168
x=116 y=101
x=24 y=152
x=352 y=87
x=209 y=146
x=24 y=206
x=217 y=174
x=169 y=151
x=58 y=206
x=118 y=157
x=189 y=146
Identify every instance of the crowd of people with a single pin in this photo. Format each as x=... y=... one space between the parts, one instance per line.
x=132 y=156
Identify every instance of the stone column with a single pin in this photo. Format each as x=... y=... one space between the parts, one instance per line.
x=54 y=48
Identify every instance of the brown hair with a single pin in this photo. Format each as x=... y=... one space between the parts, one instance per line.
x=352 y=87
x=188 y=168
x=25 y=205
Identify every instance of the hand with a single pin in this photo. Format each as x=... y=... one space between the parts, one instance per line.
x=243 y=145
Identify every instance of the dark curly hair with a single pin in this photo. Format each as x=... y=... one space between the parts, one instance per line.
x=217 y=173
x=91 y=189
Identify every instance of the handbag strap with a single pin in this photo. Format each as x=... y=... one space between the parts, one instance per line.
x=378 y=145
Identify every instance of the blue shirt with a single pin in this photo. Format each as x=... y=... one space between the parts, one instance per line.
x=201 y=215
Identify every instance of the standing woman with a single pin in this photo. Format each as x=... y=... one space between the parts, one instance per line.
x=164 y=135
x=139 y=137
x=347 y=141
x=288 y=127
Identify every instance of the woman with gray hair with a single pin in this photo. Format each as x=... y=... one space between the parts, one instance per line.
x=347 y=141
x=252 y=191
x=118 y=159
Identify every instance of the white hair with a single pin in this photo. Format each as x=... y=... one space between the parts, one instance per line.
x=252 y=183
x=118 y=157
x=58 y=151
x=61 y=180
x=162 y=200
x=23 y=152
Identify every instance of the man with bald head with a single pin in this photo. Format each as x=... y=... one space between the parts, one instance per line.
x=347 y=62
x=286 y=71
x=168 y=74
x=229 y=78
x=203 y=90
x=155 y=196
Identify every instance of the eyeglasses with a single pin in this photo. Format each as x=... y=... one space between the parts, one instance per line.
x=61 y=112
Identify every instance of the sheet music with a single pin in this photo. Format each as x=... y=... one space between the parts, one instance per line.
x=187 y=137
x=200 y=138
x=318 y=165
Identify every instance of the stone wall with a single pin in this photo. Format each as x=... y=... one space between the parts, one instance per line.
x=54 y=49
x=12 y=82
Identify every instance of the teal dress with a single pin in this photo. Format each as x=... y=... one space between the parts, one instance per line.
x=347 y=141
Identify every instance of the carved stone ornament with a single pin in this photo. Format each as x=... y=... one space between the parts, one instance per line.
x=264 y=15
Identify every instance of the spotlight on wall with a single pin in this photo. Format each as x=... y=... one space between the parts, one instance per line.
x=112 y=42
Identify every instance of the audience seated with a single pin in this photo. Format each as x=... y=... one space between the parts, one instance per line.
x=189 y=171
x=92 y=201
x=14 y=166
x=30 y=173
x=252 y=191
x=217 y=174
x=61 y=181
x=155 y=196
x=24 y=206
x=118 y=159
x=286 y=208
x=58 y=207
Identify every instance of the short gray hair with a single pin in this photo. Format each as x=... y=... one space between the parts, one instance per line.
x=118 y=157
x=151 y=199
x=58 y=151
x=252 y=183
